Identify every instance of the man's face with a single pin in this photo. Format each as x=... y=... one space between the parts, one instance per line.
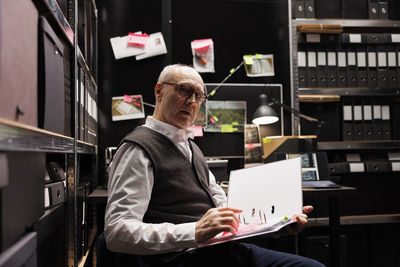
x=174 y=109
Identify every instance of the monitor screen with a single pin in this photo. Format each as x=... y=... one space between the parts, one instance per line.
x=231 y=145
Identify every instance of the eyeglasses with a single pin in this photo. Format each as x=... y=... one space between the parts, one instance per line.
x=186 y=91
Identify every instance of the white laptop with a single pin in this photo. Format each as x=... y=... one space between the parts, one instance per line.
x=269 y=196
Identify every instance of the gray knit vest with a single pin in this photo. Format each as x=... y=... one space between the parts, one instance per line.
x=181 y=189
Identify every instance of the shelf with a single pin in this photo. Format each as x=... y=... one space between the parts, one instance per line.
x=16 y=136
x=349 y=91
x=356 y=145
x=349 y=22
x=357 y=220
x=58 y=16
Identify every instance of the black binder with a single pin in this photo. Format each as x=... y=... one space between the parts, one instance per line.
x=327 y=9
x=347 y=133
x=302 y=67
x=299 y=9
x=383 y=10
x=372 y=70
x=351 y=67
x=342 y=68
x=309 y=8
x=392 y=66
x=321 y=70
x=367 y=122
x=358 y=130
x=373 y=9
x=377 y=122
x=51 y=80
x=311 y=68
x=394 y=9
x=377 y=166
x=362 y=73
x=382 y=67
x=354 y=9
x=386 y=122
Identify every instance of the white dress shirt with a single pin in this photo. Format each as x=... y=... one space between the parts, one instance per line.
x=129 y=190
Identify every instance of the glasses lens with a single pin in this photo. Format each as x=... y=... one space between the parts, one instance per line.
x=186 y=91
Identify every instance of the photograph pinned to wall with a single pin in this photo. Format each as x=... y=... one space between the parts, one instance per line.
x=226 y=116
x=201 y=118
x=253 y=148
x=127 y=107
x=203 y=55
x=259 y=65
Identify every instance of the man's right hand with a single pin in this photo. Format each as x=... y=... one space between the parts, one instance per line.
x=215 y=221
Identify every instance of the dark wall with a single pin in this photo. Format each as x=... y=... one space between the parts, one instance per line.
x=236 y=27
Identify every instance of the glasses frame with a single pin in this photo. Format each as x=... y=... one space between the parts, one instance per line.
x=177 y=85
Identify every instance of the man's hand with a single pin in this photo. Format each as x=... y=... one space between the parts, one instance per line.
x=215 y=221
x=301 y=222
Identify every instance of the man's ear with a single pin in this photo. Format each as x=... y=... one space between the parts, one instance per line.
x=158 y=90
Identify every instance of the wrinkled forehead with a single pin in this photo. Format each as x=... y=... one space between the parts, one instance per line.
x=188 y=75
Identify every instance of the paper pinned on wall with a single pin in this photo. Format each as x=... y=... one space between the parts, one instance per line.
x=127 y=107
x=122 y=49
x=138 y=40
x=203 y=55
x=155 y=46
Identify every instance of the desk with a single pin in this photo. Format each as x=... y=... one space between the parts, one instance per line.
x=334 y=216
x=99 y=196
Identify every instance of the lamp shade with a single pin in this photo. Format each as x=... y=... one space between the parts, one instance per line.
x=264 y=114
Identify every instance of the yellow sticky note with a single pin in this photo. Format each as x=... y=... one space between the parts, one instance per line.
x=215 y=118
x=285 y=218
x=259 y=56
x=235 y=123
x=232 y=70
x=213 y=92
x=267 y=140
x=235 y=129
x=248 y=59
x=226 y=128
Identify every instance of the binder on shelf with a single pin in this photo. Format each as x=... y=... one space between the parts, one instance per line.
x=373 y=9
x=383 y=10
x=81 y=96
x=386 y=122
x=337 y=168
x=299 y=9
x=377 y=122
x=395 y=40
x=309 y=8
x=358 y=131
x=342 y=68
x=302 y=67
x=354 y=9
x=331 y=69
x=394 y=9
x=351 y=67
x=311 y=69
x=377 y=166
x=395 y=166
x=392 y=66
x=347 y=123
x=327 y=9
x=367 y=122
x=54 y=194
x=372 y=70
x=362 y=74
x=321 y=69
x=382 y=67
x=356 y=167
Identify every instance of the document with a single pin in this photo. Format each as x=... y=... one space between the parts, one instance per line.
x=269 y=196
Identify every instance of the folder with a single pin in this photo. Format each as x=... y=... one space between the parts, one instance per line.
x=311 y=69
x=347 y=123
x=309 y=8
x=351 y=68
x=377 y=122
x=377 y=166
x=299 y=9
x=383 y=8
x=386 y=122
x=302 y=67
x=367 y=122
x=342 y=69
x=372 y=71
x=358 y=131
x=382 y=67
x=373 y=9
x=321 y=70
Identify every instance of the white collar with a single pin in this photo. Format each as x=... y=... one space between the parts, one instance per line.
x=168 y=130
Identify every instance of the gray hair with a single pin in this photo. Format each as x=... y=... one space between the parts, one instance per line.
x=169 y=70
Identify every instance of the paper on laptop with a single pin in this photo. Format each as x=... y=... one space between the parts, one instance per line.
x=269 y=196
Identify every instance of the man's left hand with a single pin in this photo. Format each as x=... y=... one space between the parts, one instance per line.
x=301 y=222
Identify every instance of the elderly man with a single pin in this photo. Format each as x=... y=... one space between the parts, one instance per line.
x=162 y=198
